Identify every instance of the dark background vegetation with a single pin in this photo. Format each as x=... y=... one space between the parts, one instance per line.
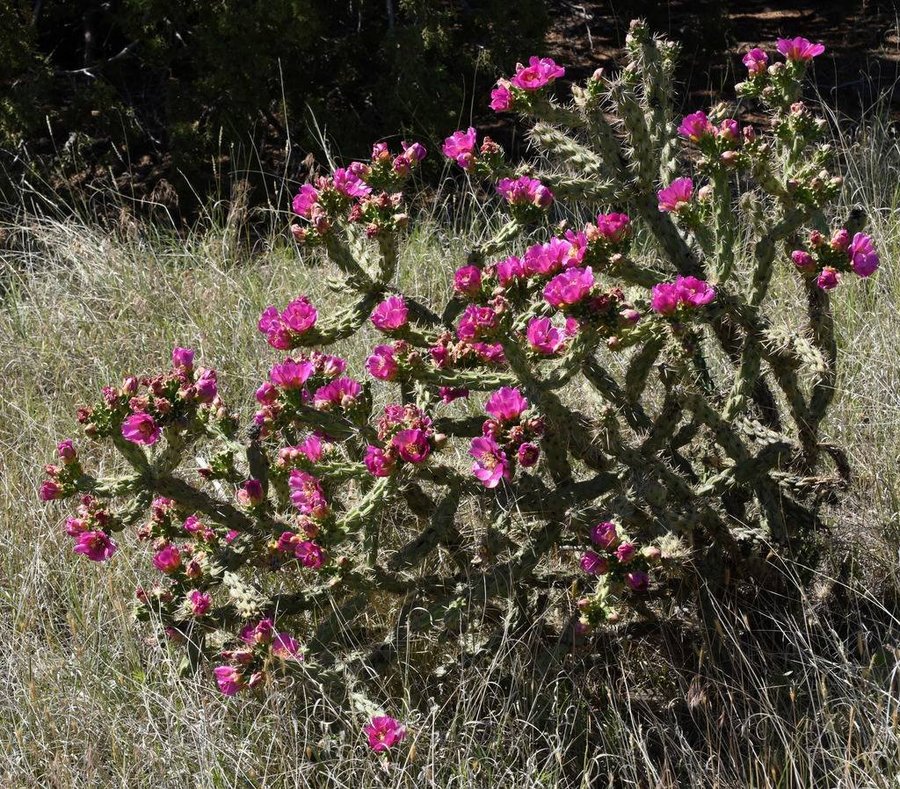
x=167 y=102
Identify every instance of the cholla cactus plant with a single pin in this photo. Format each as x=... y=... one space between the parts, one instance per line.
x=644 y=421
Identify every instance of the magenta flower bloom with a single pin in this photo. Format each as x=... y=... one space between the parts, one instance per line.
x=556 y=254
x=391 y=314
x=615 y=228
x=475 y=322
x=412 y=445
x=307 y=494
x=694 y=292
x=467 y=280
x=675 y=196
x=604 y=534
x=696 y=126
x=730 y=129
x=569 y=288
x=384 y=732
x=141 y=429
x=304 y=200
x=664 y=298
x=207 y=386
x=299 y=315
x=542 y=336
x=290 y=374
x=528 y=454
x=250 y=493
x=491 y=464
x=199 y=602
x=286 y=647
x=341 y=392
x=637 y=580
x=66 y=451
x=625 y=552
x=802 y=260
x=840 y=240
x=864 y=258
x=183 y=358
x=460 y=147
x=310 y=554
x=96 y=545
x=501 y=97
x=348 y=182
x=382 y=363
x=49 y=490
x=506 y=404
x=378 y=463
x=594 y=564
x=756 y=61
x=229 y=679
x=829 y=278
x=259 y=633
x=538 y=73
x=413 y=152
x=509 y=270
x=525 y=191
x=799 y=49
x=449 y=393
x=266 y=394
x=167 y=560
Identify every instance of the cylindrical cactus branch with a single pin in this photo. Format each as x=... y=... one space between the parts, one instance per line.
x=638 y=417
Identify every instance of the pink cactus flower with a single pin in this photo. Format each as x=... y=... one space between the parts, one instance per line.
x=141 y=429
x=412 y=445
x=637 y=580
x=491 y=464
x=449 y=393
x=594 y=564
x=341 y=392
x=829 y=278
x=307 y=494
x=528 y=454
x=569 y=288
x=525 y=191
x=229 y=679
x=803 y=260
x=840 y=240
x=382 y=364
x=467 y=280
x=96 y=545
x=605 y=535
x=460 y=147
x=348 y=182
x=299 y=315
x=756 y=61
x=665 y=298
x=50 y=490
x=625 y=552
x=384 y=732
x=391 y=314
x=199 y=602
x=378 y=463
x=66 y=451
x=501 y=97
x=183 y=358
x=543 y=337
x=285 y=646
x=506 y=404
x=291 y=374
x=207 y=386
x=676 y=196
x=167 y=560
x=615 y=228
x=538 y=73
x=266 y=394
x=304 y=200
x=413 y=152
x=259 y=633
x=864 y=258
x=696 y=127
x=475 y=322
x=310 y=554
x=549 y=258
x=509 y=270
x=250 y=493
x=799 y=49
x=694 y=292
